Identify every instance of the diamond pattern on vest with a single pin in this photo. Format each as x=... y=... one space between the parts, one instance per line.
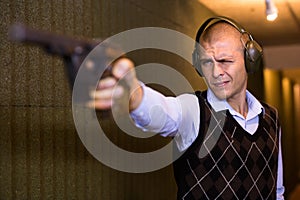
x=239 y=166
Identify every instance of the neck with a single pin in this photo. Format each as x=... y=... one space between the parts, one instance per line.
x=240 y=105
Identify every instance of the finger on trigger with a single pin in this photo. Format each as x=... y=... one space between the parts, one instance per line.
x=99 y=104
x=106 y=83
x=108 y=93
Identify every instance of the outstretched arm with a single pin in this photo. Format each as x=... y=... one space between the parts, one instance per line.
x=169 y=116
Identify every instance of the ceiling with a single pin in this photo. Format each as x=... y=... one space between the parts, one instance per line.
x=285 y=30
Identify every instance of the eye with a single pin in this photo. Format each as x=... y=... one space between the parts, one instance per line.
x=225 y=61
x=206 y=62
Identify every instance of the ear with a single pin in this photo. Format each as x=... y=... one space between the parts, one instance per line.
x=253 y=56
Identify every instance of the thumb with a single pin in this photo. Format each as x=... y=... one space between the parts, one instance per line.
x=124 y=70
x=122 y=67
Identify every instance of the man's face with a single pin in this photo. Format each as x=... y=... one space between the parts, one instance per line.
x=222 y=64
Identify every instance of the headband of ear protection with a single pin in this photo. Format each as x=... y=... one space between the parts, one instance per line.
x=253 y=53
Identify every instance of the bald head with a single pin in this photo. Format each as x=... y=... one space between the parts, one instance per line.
x=223 y=30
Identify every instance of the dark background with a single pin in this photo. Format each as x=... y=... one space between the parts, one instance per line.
x=41 y=155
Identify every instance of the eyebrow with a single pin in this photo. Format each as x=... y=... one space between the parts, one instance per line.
x=205 y=59
x=224 y=56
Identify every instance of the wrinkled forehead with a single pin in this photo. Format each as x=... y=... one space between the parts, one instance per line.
x=220 y=30
x=221 y=36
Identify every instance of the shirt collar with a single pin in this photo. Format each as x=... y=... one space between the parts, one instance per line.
x=254 y=106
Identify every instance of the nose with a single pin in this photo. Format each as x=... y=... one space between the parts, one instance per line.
x=218 y=70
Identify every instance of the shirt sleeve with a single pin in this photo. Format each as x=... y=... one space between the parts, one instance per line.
x=280 y=187
x=176 y=117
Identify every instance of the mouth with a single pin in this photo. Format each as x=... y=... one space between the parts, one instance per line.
x=221 y=84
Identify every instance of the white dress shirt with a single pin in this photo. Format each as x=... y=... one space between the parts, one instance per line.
x=178 y=117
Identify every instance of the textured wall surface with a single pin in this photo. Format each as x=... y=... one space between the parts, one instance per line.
x=41 y=154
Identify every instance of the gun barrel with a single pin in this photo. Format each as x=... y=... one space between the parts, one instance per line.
x=53 y=43
x=74 y=52
x=17 y=32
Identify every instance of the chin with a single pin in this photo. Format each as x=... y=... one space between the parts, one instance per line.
x=221 y=95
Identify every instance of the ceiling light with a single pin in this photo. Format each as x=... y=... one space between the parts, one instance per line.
x=271 y=10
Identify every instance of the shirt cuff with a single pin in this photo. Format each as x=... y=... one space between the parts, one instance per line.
x=139 y=115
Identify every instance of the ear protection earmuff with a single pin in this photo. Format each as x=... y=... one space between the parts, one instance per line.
x=253 y=53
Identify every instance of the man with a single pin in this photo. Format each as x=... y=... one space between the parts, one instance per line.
x=231 y=141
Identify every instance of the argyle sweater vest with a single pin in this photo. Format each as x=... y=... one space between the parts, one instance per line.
x=226 y=162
